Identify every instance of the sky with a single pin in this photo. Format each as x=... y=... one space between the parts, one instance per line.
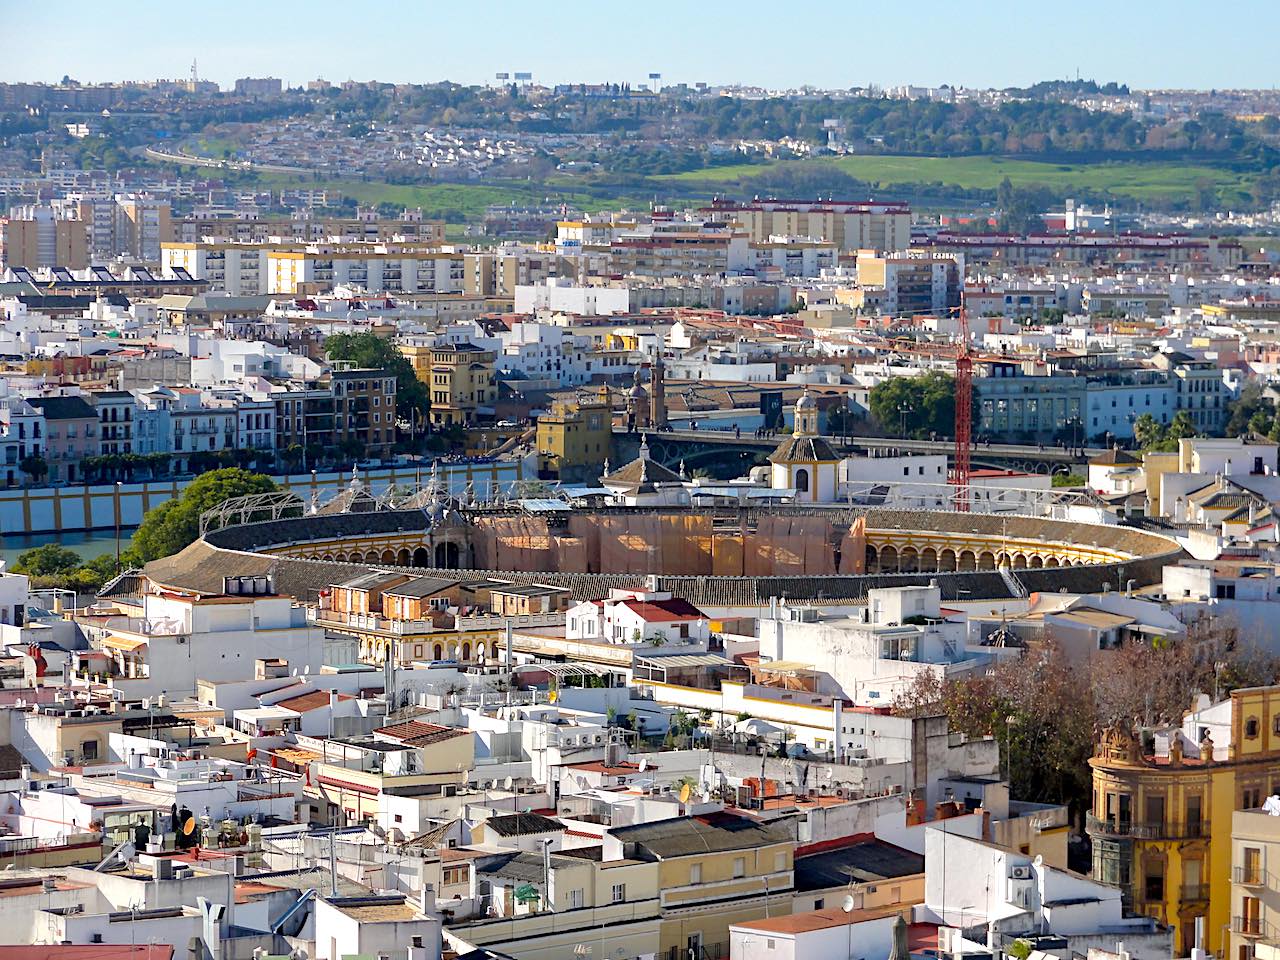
x=831 y=44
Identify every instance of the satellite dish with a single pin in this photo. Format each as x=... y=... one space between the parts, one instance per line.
x=644 y=764
x=847 y=905
x=506 y=783
x=189 y=827
x=685 y=791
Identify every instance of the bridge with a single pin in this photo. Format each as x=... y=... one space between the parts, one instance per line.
x=726 y=455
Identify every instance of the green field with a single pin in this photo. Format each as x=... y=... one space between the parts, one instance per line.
x=1140 y=180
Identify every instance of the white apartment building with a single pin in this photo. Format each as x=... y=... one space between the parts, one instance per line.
x=380 y=268
x=541 y=351
x=640 y=618
x=871 y=654
x=239 y=269
x=560 y=295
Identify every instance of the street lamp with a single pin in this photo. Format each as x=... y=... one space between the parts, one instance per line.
x=117 y=526
x=904 y=408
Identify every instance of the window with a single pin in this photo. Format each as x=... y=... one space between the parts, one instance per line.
x=89 y=750
x=1252 y=872
x=618 y=893
x=1251 y=727
x=739 y=866
x=453 y=875
x=1153 y=888
x=576 y=900
x=779 y=862
x=819 y=903
x=695 y=873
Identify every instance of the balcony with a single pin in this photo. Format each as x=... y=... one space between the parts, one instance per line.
x=1146 y=830
x=1253 y=927
x=1249 y=876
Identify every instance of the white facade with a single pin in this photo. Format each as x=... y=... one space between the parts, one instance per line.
x=559 y=295
x=872 y=654
x=641 y=618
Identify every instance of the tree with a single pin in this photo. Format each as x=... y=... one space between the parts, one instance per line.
x=176 y=523
x=369 y=350
x=1045 y=708
x=47 y=560
x=927 y=403
x=1251 y=412
x=37 y=468
x=1154 y=437
x=1147 y=431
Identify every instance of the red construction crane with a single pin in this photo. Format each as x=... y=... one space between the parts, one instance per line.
x=964 y=414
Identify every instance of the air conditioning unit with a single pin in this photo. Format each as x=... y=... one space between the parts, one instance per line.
x=1020 y=872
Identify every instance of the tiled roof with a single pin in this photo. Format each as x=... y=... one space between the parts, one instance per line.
x=804 y=450
x=415 y=733
x=522 y=824
x=664 y=611
x=309 y=701
x=710 y=833
x=629 y=475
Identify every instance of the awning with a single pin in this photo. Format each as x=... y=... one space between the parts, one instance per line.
x=123 y=644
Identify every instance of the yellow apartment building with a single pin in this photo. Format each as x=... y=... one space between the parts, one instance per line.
x=573 y=438
x=714 y=870
x=1163 y=804
x=463 y=384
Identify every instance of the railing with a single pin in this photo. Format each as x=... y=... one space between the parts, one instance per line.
x=1249 y=876
x=1147 y=830
x=370 y=621
x=1253 y=927
x=708 y=951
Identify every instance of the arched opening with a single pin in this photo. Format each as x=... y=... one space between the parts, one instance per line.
x=946 y=561
x=341 y=558
x=1051 y=562
x=1019 y=561
x=873 y=559
x=889 y=559
x=967 y=561
x=1037 y=562
x=421 y=558
x=447 y=555
x=909 y=561
x=403 y=558
x=437 y=652
x=453 y=651
x=328 y=557
x=802 y=480
x=388 y=556
x=466 y=651
x=986 y=560
x=928 y=559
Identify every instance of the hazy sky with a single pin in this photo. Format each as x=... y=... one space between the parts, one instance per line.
x=836 y=43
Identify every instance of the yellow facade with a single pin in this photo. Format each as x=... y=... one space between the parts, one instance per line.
x=461 y=382
x=702 y=895
x=575 y=436
x=1161 y=826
